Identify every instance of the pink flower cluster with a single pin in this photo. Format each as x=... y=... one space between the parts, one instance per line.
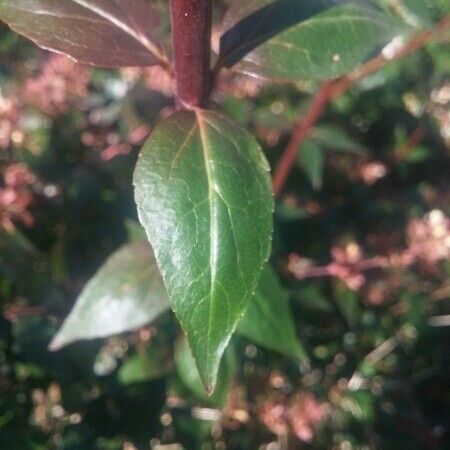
x=16 y=196
x=300 y=415
x=428 y=242
x=429 y=237
x=10 y=131
x=60 y=82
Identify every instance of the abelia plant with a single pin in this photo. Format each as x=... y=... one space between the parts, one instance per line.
x=202 y=183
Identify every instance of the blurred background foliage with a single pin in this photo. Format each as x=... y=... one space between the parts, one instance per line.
x=361 y=246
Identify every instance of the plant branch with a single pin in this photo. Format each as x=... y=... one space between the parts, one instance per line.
x=299 y=134
x=331 y=90
x=191 y=39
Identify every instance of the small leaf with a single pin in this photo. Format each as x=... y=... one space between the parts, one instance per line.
x=109 y=33
x=154 y=363
x=312 y=160
x=268 y=321
x=303 y=39
x=203 y=193
x=335 y=139
x=135 y=232
x=311 y=298
x=188 y=372
x=127 y=292
x=348 y=303
x=424 y=11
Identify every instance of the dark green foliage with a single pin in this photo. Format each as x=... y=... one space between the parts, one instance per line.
x=341 y=338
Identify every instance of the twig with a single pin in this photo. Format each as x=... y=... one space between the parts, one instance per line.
x=388 y=346
x=299 y=134
x=403 y=151
x=333 y=268
x=331 y=90
x=439 y=321
x=14 y=313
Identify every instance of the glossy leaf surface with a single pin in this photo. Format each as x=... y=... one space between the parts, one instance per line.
x=303 y=39
x=109 y=33
x=203 y=193
x=268 y=321
x=127 y=292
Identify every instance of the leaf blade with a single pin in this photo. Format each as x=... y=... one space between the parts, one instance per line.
x=126 y=292
x=311 y=40
x=187 y=370
x=204 y=197
x=268 y=321
x=108 y=33
x=312 y=160
x=335 y=139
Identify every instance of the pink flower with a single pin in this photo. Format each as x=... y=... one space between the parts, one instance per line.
x=10 y=131
x=16 y=196
x=300 y=414
x=273 y=415
x=429 y=237
x=373 y=171
x=344 y=265
x=305 y=414
x=60 y=83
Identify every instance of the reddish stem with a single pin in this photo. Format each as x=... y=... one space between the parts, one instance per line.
x=191 y=40
x=299 y=134
x=331 y=90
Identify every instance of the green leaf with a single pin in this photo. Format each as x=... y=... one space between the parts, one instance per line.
x=126 y=293
x=203 y=193
x=424 y=11
x=311 y=298
x=154 y=363
x=312 y=160
x=335 y=139
x=109 y=33
x=268 y=321
x=134 y=230
x=348 y=303
x=303 y=39
x=187 y=369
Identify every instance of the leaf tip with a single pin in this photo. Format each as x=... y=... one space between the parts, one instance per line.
x=209 y=382
x=210 y=388
x=57 y=343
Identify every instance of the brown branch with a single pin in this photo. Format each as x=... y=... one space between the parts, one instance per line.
x=331 y=90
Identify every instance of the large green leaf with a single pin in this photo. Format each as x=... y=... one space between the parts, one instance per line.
x=110 y=33
x=188 y=372
x=203 y=193
x=303 y=39
x=127 y=292
x=268 y=321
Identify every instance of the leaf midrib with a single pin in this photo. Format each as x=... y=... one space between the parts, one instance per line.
x=312 y=21
x=142 y=39
x=150 y=46
x=213 y=227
